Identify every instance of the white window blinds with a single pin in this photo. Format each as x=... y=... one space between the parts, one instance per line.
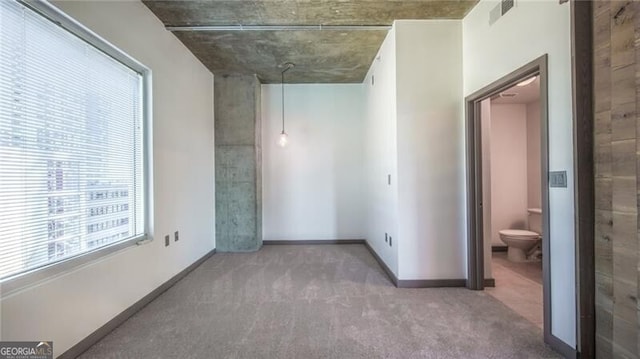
x=71 y=154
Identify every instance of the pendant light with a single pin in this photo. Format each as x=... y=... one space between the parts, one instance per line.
x=283 y=140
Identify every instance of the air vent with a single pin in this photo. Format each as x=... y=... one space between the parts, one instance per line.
x=507 y=5
x=500 y=9
x=504 y=95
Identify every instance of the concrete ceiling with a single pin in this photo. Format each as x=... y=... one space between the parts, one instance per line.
x=327 y=56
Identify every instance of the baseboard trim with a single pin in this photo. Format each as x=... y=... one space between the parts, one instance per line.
x=315 y=241
x=432 y=283
x=561 y=347
x=382 y=264
x=499 y=249
x=101 y=332
x=410 y=283
x=489 y=282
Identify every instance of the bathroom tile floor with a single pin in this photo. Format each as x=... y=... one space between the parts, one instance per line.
x=516 y=288
x=529 y=270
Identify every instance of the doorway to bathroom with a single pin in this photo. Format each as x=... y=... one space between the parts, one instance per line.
x=508 y=195
x=512 y=198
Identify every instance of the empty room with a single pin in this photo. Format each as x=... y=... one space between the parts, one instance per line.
x=319 y=179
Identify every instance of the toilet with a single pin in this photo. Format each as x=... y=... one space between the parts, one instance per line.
x=519 y=242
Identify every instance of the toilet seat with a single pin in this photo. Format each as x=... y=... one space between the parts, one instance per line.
x=519 y=233
x=519 y=242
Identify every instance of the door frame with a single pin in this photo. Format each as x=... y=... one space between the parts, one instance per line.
x=584 y=192
x=475 y=237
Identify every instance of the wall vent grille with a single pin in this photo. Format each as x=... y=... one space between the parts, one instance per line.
x=507 y=5
x=500 y=10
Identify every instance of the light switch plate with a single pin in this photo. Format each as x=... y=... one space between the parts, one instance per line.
x=558 y=179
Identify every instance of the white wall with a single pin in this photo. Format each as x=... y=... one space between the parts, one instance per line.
x=381 y=153
x=431 y=200
x=313 y=187
x=508 y=169
x=69 y=307
x=531 y=29
x=534 y=186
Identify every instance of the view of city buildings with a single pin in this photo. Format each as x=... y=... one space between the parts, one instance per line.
x=68 y=145
x=47 y=189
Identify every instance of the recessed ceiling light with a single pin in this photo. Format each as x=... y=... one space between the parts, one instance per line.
x=527 y=81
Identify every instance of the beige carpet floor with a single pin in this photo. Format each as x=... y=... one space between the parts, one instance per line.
x=317 y=301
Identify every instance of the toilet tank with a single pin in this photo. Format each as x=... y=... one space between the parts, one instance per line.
x=535 y=220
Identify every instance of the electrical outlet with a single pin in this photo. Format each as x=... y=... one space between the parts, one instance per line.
x=386 y=237
x=390 y=241
x=166 y=240
x=175 y=236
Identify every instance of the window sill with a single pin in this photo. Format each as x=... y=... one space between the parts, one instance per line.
x=38 y=275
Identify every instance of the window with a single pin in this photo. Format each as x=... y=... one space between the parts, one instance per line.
x=72 y=112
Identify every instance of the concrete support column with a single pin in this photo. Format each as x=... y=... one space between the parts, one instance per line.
x=238 y=163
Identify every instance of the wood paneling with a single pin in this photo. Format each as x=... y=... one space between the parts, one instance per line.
x=616 y=34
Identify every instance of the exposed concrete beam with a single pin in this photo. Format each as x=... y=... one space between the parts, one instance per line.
x=280 y=28
x=320 y=56
x=253 y=36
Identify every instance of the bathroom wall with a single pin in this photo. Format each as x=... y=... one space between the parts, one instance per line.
x=508 y=169
x=534 y=185
x=509 y=122
x=312 y=188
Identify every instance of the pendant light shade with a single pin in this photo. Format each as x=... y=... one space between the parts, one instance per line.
x=282 y=141
x=284 y=138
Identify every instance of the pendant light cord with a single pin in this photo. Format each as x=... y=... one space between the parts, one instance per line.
x=287 y=67
x=282 y=86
